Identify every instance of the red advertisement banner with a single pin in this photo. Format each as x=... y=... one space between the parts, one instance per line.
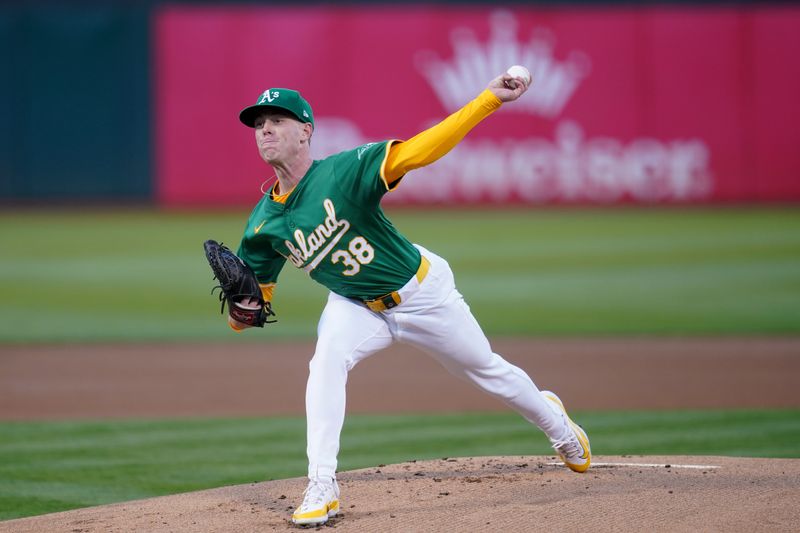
x=671 y=104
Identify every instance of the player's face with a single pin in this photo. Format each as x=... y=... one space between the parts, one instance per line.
x=280 y=137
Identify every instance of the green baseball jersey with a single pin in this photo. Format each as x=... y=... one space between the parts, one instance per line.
x=332 y=226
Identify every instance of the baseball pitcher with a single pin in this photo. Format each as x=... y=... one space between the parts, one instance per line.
x=325 y=217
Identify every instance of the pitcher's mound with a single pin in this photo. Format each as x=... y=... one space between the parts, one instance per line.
x=484 y=494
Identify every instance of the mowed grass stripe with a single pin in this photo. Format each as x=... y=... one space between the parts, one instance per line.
x=141 y=275
x=47 y=467
x=713 y=432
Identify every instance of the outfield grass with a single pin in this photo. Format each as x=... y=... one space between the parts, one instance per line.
x=137 y=275
x=47 y=467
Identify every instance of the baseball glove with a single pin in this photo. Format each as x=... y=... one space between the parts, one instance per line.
x=237 y=282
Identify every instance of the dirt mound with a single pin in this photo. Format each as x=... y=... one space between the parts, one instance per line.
x=484 y=494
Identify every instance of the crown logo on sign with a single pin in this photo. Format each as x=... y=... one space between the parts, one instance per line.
x=474 y=63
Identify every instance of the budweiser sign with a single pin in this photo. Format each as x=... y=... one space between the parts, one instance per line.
x=458 y=79
x=628 y=104
x=564 y=167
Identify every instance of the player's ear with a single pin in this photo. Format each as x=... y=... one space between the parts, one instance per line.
x=308 y=131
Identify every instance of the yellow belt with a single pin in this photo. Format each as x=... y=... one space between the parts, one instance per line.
x=387 y=301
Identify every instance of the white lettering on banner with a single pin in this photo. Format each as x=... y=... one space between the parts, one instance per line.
x=307 y=246
x=567 y=168
x=474 y=63
x=533 y=169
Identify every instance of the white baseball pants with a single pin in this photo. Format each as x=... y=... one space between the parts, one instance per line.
x=432 y=316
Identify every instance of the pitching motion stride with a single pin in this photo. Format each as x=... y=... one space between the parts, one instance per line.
x=324 y=216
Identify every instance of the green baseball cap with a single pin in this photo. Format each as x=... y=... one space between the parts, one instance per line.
x=279 y=98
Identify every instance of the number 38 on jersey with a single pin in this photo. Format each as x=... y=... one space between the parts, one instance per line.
x=358 y=253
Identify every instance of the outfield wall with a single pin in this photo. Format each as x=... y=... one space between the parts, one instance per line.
x=653 y=104
x=74 y=103
x=632 y=103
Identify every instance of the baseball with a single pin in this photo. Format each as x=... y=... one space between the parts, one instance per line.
x=518 y=71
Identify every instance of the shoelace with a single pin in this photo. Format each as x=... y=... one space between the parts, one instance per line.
x=314 y=494
x=569 y=447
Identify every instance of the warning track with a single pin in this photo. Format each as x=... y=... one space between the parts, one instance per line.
x=43 y=382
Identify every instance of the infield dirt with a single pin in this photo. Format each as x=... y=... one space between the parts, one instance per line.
x=483 y=494
x=464 y=494
x=264 y=379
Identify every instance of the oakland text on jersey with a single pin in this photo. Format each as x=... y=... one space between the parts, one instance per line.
x=331 y=228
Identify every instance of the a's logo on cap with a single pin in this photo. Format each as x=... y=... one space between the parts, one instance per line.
x=305 y=113
x=268 y=96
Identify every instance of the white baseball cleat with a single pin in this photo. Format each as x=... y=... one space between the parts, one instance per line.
x=321 y=501
x=573 y=450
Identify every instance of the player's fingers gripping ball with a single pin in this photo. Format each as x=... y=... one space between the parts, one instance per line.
x=518 y=72
x=238 y=286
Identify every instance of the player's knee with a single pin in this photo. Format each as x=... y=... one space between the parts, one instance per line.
x=327 y=361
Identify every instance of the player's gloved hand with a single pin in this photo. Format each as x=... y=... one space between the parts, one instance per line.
x=250 y=303
x=239 y=287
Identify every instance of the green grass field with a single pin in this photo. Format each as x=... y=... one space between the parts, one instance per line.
x=46 y=467
x=139 y=275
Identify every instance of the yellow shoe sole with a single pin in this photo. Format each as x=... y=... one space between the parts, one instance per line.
x=579 y=432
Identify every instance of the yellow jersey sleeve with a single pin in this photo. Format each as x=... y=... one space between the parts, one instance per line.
x=266 y=291
x=433 y=143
